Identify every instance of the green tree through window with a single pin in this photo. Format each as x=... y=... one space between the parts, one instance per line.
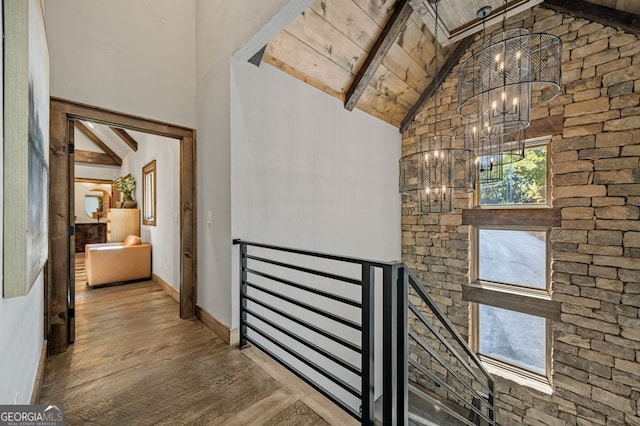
x=523 y=182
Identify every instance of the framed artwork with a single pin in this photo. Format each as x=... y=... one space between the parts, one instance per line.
x=26 y=145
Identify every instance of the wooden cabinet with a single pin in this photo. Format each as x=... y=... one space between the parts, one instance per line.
x=89 y=233
x=122 y=222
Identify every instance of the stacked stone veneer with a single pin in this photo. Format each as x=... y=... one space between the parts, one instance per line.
x=595 y=253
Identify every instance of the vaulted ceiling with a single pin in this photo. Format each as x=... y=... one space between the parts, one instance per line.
x=380 y=56
x=102 y=145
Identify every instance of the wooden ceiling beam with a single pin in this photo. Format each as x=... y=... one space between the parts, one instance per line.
x=126 y=137
x=442 y=74
x=91 y=157
x=93 y=180
x=629 y=22
x=95 y=139
x=389 y=34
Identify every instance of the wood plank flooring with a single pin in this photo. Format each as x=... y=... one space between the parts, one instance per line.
x=135 y=362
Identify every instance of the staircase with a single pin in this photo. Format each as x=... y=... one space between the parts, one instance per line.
x=366 y=334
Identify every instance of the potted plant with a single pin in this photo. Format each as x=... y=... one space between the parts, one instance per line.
x=126 y=184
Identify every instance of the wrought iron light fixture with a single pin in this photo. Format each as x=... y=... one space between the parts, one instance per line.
x=438 y=166
x=512 y=72
x=498 y=85
x=492 y=150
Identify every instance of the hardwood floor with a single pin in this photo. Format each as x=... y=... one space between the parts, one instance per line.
x=134 y=362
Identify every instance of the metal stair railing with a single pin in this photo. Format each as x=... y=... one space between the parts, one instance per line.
x=465 y=382
x=317 y=323
x=314 y=313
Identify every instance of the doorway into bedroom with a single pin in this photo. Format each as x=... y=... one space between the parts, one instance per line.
x=90 y=148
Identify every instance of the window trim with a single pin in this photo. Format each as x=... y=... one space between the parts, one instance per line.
x=516 y=374
x=536 y=303
x=149 y=169
x=514 y=297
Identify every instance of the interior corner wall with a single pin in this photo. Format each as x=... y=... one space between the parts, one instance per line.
x=136 y=57
x=164 y=237
x=309 y=174
x=21 y=318
x=222 y=28
x=306 y=173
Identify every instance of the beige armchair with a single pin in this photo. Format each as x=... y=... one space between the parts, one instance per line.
x=117 y=262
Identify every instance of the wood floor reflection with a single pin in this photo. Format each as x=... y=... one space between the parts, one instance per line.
x=134 y=362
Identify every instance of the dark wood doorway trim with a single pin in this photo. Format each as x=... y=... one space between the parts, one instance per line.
x=59 y=321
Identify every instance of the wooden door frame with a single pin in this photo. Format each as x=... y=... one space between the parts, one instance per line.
x=62 y=115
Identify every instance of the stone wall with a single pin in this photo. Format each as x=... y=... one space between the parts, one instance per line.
x=595 y=168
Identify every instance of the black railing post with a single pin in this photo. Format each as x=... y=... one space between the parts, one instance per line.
x=490 y=402
x=243 y=292
x=402 y=346
x=368 y=329
x=392 y=397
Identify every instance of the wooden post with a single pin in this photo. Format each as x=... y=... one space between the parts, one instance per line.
x=57 y=337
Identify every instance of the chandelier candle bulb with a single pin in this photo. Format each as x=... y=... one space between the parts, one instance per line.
x=441 y=164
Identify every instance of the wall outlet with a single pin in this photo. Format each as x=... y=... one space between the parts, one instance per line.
x=209 y=217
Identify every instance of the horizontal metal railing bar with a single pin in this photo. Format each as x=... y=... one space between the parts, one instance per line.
x=308 y=307
x=439 y=405
x=344 y=364
x=415 y=283
x=338 y=381
x=354 y=347
x=345 y=259
x=323 y=293
x=442 y=362
x=444 y=341
x=446 y=387
x=307 y=380
x=306 y=270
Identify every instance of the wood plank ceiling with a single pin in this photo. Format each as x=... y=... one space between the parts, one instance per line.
x=380 y=55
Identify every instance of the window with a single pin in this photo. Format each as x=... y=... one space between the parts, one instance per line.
x=512 y=256
x=523 y=183
x=520 y=339
x=512 y=261
x=510 y=268
x=149 y=194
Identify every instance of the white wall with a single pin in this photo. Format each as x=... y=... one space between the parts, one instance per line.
x=136 y=56
x=96 y=171
x=165 y=236
x=307 y=173
x=21 y=319
x=223 y=27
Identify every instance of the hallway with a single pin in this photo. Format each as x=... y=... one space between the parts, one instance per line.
x=135 y=362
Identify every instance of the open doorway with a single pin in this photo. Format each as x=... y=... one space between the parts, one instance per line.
x=59 y=293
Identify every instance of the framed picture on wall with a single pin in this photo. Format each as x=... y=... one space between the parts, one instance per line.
x=26 y=145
